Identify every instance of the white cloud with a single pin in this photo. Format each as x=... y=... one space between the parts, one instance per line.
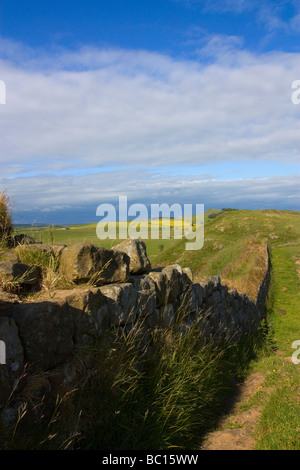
x=52 y=194
x=271 y=20
x=275 y=17
x=224 y=6
x=146 y=109
x=295 y=23
x=221 y=6
x=134 y=109
x=208 y=45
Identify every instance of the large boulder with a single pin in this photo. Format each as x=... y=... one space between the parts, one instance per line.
x=136 y=250
x=193 y=298
x=84 y=262
x=46 y=332
x=121 y=300
x=19 y=273
x=160 y=281
x=143 y=282
x=174 y=281
x=22 y=239
x=146 y=290
x=86 y=307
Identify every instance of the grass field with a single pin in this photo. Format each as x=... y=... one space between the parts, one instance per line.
x=87 y=233
x=279 y=426
x=234 y=250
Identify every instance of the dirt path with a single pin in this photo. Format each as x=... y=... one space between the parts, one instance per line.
x=235 y=430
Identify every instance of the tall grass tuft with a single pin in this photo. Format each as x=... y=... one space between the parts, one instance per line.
x=31 y=420
x=161 y=391
x=141 y=389
x=46 y=261
x=6 y=224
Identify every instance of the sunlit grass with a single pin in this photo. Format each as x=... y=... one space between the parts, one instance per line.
x=179 y=396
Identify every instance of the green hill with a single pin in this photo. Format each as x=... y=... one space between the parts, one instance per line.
x=234 y=249
x=233 y=245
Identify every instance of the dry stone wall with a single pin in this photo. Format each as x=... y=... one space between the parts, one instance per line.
x=45 y=333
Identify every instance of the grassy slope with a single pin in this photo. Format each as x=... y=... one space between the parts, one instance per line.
x=233 y=245
x=232 y=250
x=279 y=397
x=279 y=427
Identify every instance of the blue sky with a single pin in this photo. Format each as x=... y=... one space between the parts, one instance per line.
x=183 y=101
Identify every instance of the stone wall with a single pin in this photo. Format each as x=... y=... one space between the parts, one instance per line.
x=45 y=333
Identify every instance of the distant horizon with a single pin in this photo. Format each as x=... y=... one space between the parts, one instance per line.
x=34 y=223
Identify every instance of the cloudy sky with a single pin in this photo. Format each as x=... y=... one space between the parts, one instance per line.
x=164 y=101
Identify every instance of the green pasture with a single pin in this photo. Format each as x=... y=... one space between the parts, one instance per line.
x=234 y=250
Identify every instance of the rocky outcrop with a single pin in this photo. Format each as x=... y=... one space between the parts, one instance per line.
x=136 y=250
x=22 y=239
x=15 y=272
x=83 y=262
x=47 y=332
